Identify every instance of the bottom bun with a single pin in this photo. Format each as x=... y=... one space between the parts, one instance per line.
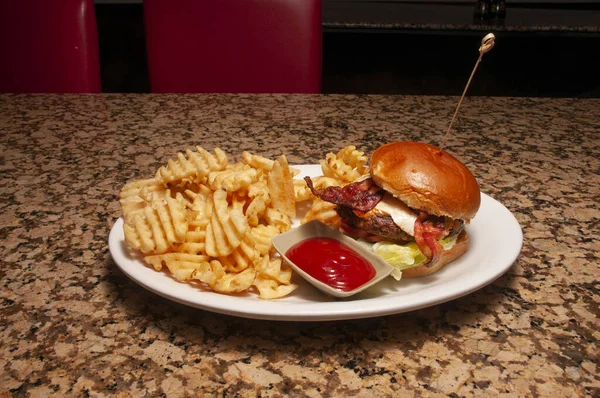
x=461 y=246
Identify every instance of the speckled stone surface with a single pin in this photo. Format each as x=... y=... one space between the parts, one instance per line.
x=72 y=324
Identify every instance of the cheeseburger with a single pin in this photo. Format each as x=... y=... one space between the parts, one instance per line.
x=412 y=208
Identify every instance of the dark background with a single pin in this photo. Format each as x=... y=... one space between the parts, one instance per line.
x=393 y=61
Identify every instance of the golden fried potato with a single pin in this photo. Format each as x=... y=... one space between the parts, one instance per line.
x=354 y=158
x=238 y=200
x=172 y=215
x=347 y=166
x=158 y=224
x=193 y=166
x=275 y=269
x=235 y=282
x=212 y=222
x=257 y=208
x=209 y=272
x=257 y=162
x=244 y=256
x=194 y=241
x=301 y=191
x=232 y=179
x=294 y=171
x=144 y=233
x=257 y=201
x=262 y=235
x=181 y=265
x=278 y=219
x=136 y=195
x=324 y=182
x=269 y=289
x=324 y=212
x=133 y=188
x=202 y=202
x=281 y=187
x=138 y=235
x=226 y=229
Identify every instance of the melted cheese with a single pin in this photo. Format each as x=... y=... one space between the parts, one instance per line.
x=403 y=217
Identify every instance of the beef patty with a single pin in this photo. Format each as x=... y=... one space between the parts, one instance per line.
x=377 y=224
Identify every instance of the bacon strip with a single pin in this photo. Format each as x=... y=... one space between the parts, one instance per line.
x=428 y=230
x=356 y=195
x=364 y=196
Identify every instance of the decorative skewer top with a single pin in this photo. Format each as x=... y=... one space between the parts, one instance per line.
x=487 y=43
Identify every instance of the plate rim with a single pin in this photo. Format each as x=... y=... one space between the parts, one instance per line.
x=279 y=309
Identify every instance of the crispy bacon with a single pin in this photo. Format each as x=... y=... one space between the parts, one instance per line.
x=362 y=195
x=428 y=230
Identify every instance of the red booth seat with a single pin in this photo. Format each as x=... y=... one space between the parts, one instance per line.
x=48 y=46
x=234 y=46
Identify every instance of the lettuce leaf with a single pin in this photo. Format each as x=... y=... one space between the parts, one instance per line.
x=405 y=256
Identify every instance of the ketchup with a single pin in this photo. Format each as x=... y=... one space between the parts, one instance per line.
x=331 y=262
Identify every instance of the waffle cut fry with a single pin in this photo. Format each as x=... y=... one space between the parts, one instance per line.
x=135 y=195
x=209 y=222
x=301 y=191
x=193 y=166
x=182 y=266
x=258 y=162
x=159 y=225
x=232 y=179
x=346 y=166
x=226 y=228
x=206 y=220
x=324 y=212
x=281 y=187
x=262 y=235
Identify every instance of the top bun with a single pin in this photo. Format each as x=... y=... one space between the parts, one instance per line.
x=426 y=178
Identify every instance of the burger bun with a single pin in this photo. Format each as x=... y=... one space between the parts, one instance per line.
x=426 y=178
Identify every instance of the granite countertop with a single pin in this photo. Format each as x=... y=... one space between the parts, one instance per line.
x=74 y=325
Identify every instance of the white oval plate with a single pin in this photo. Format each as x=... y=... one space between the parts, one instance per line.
x=495 y=240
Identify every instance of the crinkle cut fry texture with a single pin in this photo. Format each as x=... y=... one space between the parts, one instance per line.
x=192 y=166
x=281 y=187
x=210 y=221
x=346 y=166
x=158 y=224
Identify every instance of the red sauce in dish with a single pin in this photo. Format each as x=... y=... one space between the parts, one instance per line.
x=331 y=262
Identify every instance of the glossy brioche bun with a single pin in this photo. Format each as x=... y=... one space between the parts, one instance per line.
x=459 y=248
x=425 y=178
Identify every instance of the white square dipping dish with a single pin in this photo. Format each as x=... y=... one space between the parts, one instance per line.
x=315 y=229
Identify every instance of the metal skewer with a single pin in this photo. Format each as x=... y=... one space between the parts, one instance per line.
x=487 y=43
